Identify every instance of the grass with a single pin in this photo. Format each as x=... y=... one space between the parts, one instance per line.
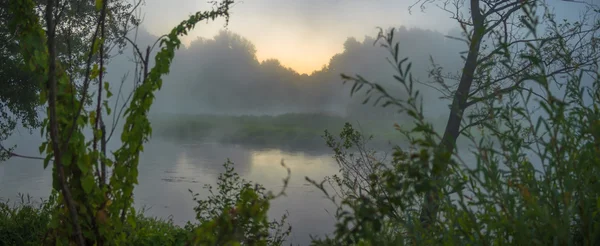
x=26 y=222
x=295 y=131
x=292 y=131
x=23 y=223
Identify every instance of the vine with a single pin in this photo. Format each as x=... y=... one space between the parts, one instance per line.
x=89 y=211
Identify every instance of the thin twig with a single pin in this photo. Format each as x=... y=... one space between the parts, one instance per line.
x=10 y=153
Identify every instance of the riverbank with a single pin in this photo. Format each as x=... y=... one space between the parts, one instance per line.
x=25 y=222
x=289 y=132
x=286 y=131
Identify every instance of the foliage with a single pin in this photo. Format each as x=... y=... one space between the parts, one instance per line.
x=19 y=102
x=18 y=98
x=268 y=87
x=533 y=178
x=24 y=223
x=530 y=179
x=237 y=213
x=92 y=208
x=155 y=231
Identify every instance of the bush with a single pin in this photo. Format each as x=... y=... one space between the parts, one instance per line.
x=24 y=223
x=235 y=212
x=499 y=198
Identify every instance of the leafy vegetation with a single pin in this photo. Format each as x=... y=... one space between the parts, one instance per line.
x=532 y=181
x=91 y=207
x=19 y=99
x=26 y=223
x=524 y=186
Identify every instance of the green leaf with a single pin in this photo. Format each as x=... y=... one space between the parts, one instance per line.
x=96 y=45
x=92 y=117
x=43 y=96
x=106 y=107
x=47 y=160
x=131 y=221
x=43 y=147
x=87 y=183
x=95 y=71
x=107 y=89
x=84 y=165
x=99 y=5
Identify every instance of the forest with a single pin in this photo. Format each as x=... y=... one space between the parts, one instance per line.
x=486 y=135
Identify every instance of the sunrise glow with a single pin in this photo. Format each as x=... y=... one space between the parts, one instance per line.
x=303 y=55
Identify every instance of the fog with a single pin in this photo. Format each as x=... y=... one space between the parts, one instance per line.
x=222 y=75
x=259 y=66
x=227 y=73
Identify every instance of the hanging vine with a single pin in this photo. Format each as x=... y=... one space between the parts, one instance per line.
x=88 y=210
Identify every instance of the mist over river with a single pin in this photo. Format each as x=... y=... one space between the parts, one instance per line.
x=169 y=169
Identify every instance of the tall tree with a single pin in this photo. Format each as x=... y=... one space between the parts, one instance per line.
x=92 y=207
x=19 y=102
x=18 y=97
x=499 y=35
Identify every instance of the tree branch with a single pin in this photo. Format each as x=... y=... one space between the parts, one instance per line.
x=495 y=9
x=54 y=134
x=99 y=100
x=86 y=84
x=503 y=18
x=514 y=87
x=10 y=153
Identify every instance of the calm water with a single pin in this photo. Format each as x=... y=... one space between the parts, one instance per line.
x=168 y=170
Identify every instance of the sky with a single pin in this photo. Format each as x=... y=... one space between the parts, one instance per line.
x=305 y=34
x=302 y=34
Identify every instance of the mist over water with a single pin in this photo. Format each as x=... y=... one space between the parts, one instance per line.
x=168 y=170
x=223 y=75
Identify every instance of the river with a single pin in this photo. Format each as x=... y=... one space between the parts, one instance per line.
x=168 y=170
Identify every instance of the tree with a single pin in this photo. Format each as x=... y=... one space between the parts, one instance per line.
x=93 y=208
x=18 y=99
x=506 y=52
x=19 y=102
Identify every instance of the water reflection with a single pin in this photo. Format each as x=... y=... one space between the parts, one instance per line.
x=166 y=179
x=168 y=170
x=25 y=176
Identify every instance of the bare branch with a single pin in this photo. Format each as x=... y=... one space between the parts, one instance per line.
x=496 y=9
x=11 y=153
x=515 y=86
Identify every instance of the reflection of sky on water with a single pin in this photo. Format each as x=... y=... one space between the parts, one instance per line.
x=199 y=164
x=169 y=170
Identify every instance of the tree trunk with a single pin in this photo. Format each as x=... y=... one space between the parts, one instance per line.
x=54 y=131
x=430 y=206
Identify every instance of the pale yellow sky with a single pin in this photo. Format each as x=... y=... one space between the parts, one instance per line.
x=302 y=34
